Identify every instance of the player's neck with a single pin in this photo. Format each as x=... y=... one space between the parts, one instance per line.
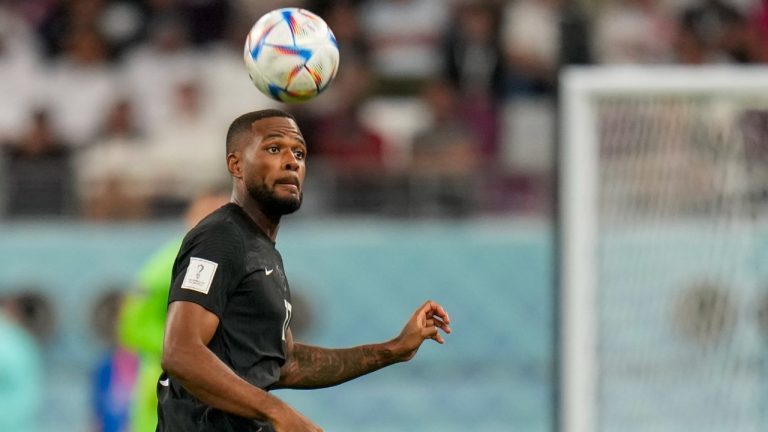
x=268 y=224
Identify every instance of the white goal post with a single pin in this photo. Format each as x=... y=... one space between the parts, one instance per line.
x=598 y=193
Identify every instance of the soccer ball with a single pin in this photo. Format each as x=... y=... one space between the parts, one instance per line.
x=291 y=55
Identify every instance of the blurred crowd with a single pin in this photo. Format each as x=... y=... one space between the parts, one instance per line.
x=117 y=109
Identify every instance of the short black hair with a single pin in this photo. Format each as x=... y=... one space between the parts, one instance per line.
x=244 y=122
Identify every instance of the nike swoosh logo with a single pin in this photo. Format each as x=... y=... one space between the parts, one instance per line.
x=268 y=272
x=164 y=382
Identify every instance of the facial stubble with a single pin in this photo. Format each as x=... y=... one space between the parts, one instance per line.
x=270 y=203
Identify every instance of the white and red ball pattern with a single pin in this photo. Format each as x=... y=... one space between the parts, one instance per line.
x=291 y=55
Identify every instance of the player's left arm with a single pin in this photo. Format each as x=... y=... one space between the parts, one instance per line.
x=308 y=366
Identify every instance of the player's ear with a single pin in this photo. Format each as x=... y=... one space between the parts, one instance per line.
x=233 y=165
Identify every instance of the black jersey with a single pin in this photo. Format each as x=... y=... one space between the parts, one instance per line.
x=230 y=267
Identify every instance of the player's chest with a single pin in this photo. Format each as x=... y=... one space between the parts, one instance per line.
x=262 y=296
x=265 y=274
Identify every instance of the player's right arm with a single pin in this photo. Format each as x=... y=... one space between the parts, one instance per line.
x=186 y=357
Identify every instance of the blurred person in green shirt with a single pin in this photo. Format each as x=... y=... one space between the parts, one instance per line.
x=142 y=316
x=21 y=373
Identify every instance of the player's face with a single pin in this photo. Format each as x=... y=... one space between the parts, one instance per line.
x=275 y=165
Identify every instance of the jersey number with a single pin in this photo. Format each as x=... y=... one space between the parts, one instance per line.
x=288 y=310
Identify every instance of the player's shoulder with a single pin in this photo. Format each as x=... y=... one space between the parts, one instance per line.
x=223 y=223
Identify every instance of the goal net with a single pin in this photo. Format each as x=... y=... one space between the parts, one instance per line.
x=664 y=250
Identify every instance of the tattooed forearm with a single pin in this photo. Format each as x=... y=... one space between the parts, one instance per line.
x=314 y=367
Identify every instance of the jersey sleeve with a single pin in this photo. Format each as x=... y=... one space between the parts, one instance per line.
x=208 y=267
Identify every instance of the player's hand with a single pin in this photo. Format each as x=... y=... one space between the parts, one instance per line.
x=293 y=421
x=424 y=324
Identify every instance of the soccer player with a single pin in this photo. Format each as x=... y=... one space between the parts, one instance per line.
x=22 y=372
x=227 y=336
x=142 y=315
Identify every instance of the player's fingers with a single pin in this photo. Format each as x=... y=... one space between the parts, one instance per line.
x=431 y=308
x=439 y=324
x=443 y=325
x=431 y=333
x=426 y=308
x=438 y=310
